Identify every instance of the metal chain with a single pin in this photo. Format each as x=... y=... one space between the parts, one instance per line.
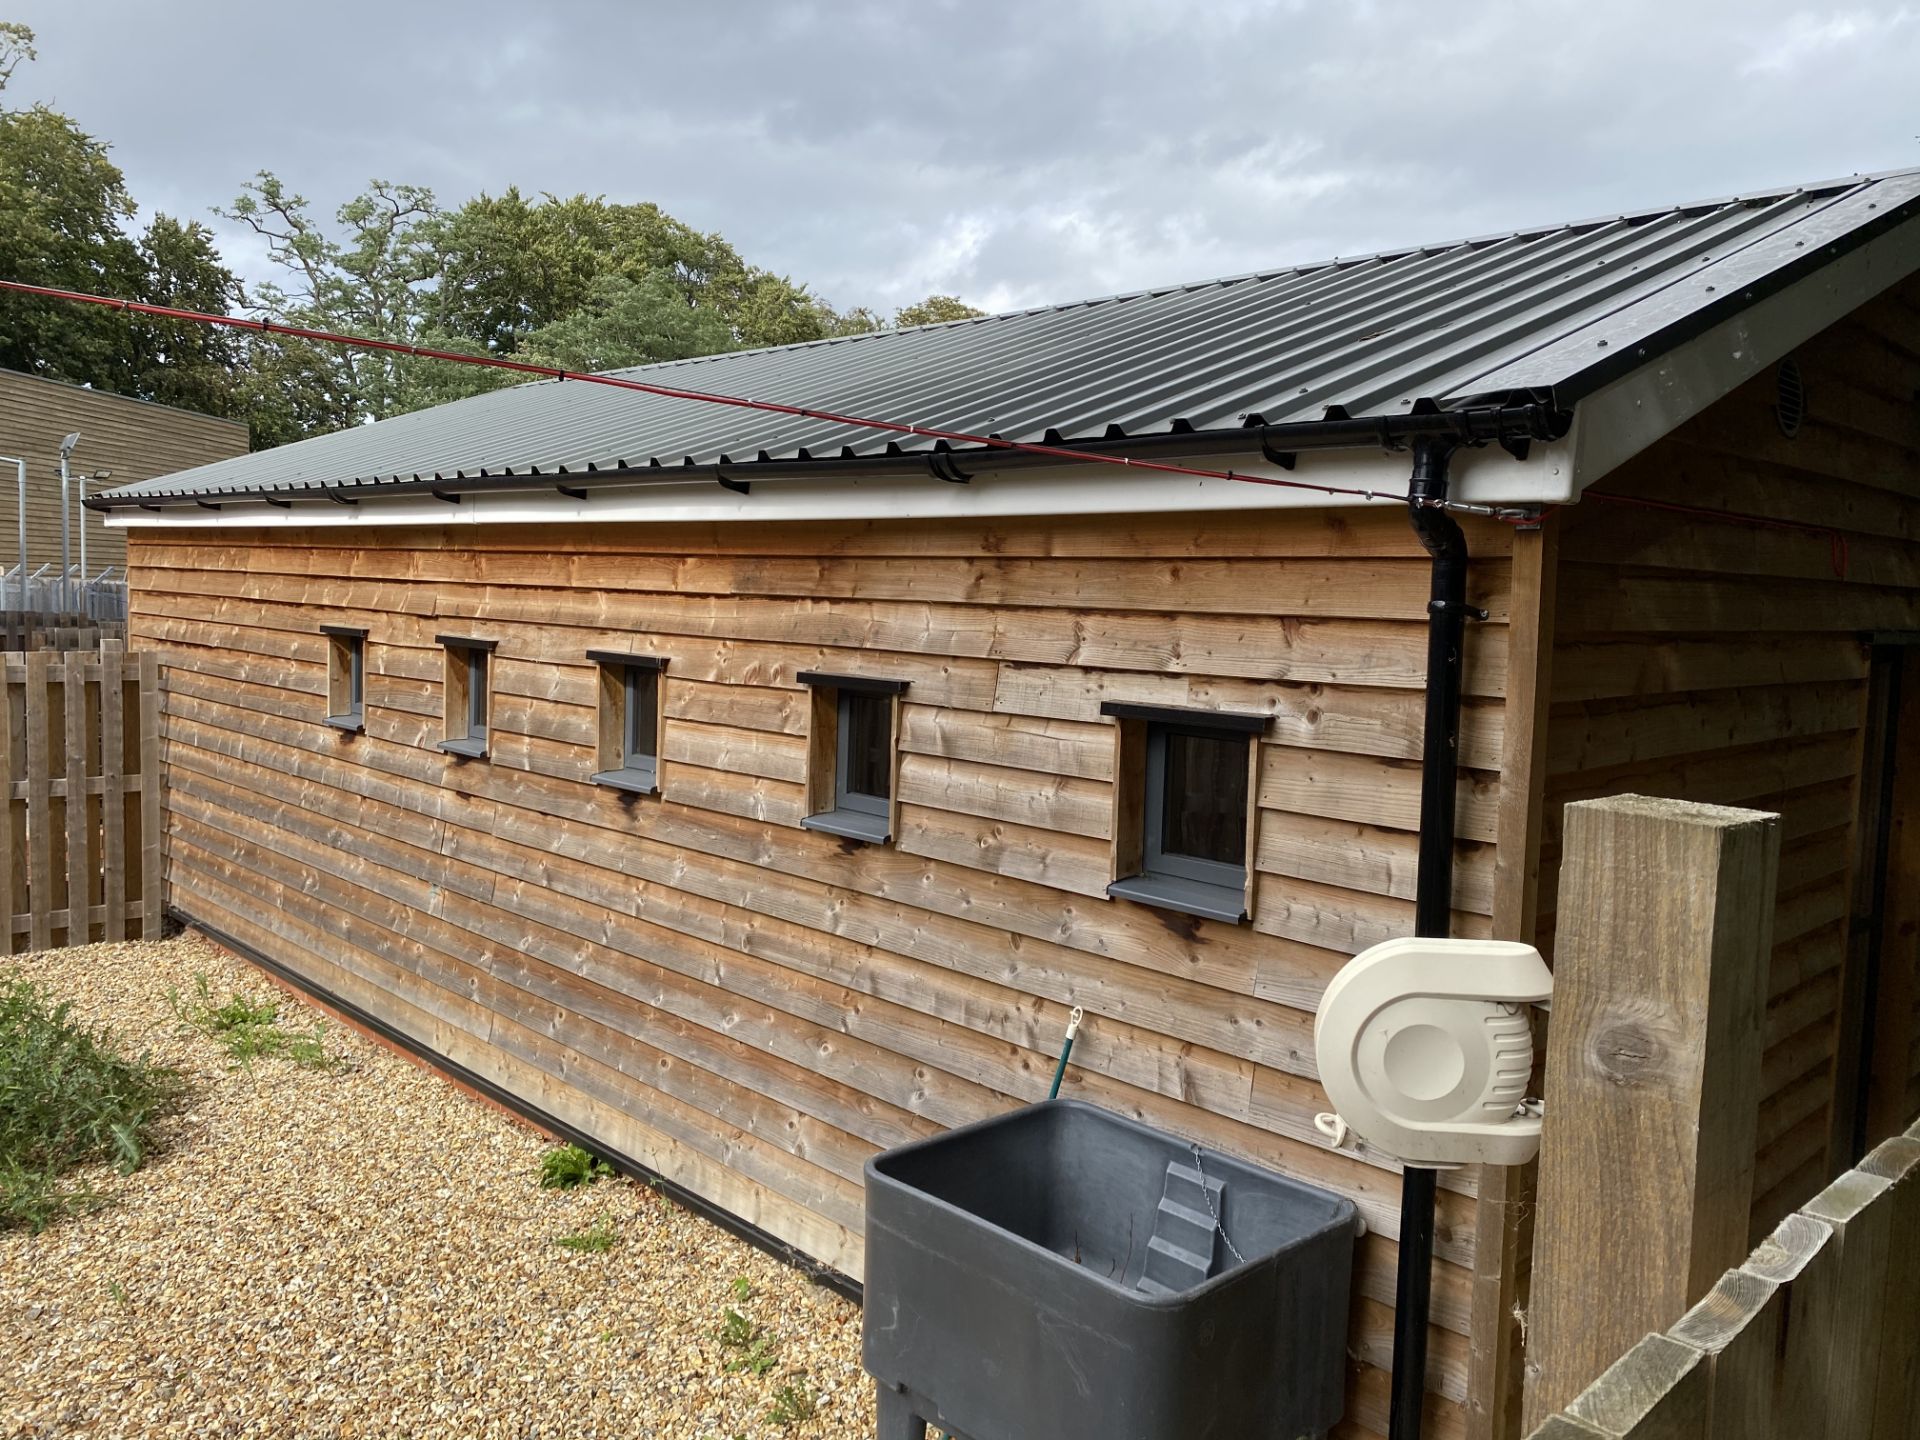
x=1207 y=1194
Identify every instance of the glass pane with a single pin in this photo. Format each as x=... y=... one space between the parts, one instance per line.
x=356 y=671
x=477 y=694
x=642 y=718
x=865 y=742
x=1205 y=815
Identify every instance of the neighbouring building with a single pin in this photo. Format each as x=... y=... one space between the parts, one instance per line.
x=122 y=439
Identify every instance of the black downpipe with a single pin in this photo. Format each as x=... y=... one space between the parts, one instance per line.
x=1447 y=615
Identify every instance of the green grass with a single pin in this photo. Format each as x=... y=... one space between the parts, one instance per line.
x=570 y=1167
x=792 y=1405
x=596 y=1239
x=249 y=1031
x=67 y=1099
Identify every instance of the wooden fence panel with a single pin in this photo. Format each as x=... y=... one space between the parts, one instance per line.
x=32 y=630
x=81 y=842
x=1818 y=1334
x=1898 y=1162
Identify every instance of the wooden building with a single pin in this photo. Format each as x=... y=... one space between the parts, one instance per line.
x=122 y=439
x=753 y=791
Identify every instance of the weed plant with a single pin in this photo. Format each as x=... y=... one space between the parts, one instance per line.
x=67 y=1099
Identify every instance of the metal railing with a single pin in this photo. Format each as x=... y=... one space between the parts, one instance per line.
x=47 y=591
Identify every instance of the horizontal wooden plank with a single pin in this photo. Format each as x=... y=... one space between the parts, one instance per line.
x=1589 y=738
x=1294 y=586
x=1657 y=665
x=1021 y=742
x=1367 y=858
x=1046 y=857
x=1040 y=801
x=422 y=552
x=1609 y=601
x=1375 y=789
x=771 y=755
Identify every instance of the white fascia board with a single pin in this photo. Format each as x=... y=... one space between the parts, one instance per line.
x=1620 y=420
x=1483 y=474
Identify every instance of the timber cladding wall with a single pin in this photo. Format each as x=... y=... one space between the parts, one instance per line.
x=133 y=439
x=1725 y=662
x=754 y=1008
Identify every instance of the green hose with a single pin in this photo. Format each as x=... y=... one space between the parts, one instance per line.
x=1073 y=1026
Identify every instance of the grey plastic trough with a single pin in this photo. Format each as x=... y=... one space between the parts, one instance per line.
x=1055 y=1272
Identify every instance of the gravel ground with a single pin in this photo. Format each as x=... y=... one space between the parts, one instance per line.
x=367 y=1252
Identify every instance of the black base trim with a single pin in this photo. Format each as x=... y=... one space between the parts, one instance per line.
x=823 y=1275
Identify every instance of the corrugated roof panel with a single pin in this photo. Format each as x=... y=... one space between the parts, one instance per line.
x=1547 y=309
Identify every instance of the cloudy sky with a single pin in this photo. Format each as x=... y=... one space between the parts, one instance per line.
x=1010 y=153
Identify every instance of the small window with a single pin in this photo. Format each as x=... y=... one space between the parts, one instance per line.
x=346 y=677
x=1185 y=785
x=629 y=747
x=850 y=755
x=468 y=694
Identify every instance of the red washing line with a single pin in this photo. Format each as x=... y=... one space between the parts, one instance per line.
x=669 y=392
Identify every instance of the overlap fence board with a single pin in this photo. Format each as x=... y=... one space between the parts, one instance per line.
x=80 y=844
x=1818 y=1333
x=26 y=630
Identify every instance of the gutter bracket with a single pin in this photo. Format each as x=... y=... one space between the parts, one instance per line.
x=1285 y=459
x=738 y=487
x=451 y=499
x=943 y=467
x=572 y=492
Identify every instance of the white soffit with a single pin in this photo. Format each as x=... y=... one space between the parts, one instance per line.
x=1488 y=474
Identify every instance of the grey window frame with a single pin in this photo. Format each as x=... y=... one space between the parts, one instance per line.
x=856 y=815
x=1190 y=884
x=477 y=655
x=353 y=640
x=640 y=677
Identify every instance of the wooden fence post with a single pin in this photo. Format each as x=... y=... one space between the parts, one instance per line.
x=1664 y=928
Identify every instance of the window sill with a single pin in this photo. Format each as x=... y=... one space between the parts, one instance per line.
x=466 y=747
x=352 y=724
x=1190 y=897
x=635 y=782
x=850 y=825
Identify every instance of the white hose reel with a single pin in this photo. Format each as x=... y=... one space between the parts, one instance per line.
x=1426 y=1050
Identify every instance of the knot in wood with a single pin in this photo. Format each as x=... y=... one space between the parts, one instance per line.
x=1629 y=1052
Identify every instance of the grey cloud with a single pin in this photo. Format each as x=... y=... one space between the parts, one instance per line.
x=1014 y=153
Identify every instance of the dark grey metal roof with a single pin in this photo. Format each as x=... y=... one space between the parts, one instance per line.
x=1554 y=311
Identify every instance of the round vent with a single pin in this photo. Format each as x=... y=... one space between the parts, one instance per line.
x=1790 y=401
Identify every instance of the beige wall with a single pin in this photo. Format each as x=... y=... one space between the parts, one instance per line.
x=133 y=439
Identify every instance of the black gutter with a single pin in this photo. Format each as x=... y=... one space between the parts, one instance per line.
x=1447 y=614
x=1513 y=425
x=823 y=1275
